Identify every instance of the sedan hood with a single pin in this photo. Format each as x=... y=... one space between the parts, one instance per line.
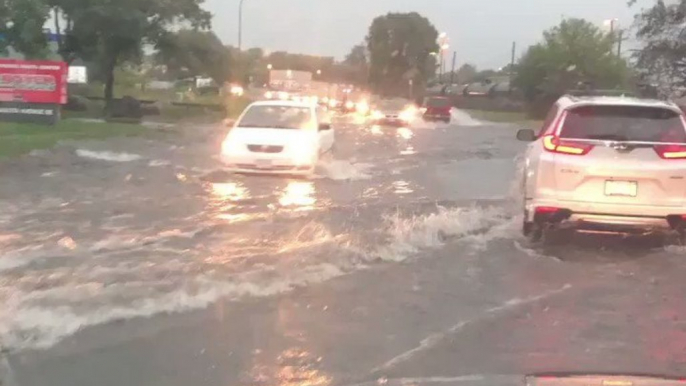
x=266 y=136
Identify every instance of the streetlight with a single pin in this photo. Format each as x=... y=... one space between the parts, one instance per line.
x=240 y=25
x=319 y=72
x=611 y=23
x=269 y=66
x=443 y=45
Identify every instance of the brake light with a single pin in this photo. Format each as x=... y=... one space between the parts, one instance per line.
x=546 y=209
x=556 y=145
x=671 y=151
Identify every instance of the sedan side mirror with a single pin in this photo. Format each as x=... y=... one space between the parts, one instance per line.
x=324 y=126
x=526 y=135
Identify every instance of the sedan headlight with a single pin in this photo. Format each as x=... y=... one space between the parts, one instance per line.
x=230 y=147
x=408 y=114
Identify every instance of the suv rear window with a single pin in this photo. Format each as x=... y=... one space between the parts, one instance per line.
x=624 y=123
x=437 y=102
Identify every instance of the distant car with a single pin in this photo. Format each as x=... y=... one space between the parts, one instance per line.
x=393 y=112
x=437 y=109
x=606 y=164
x=281 y=137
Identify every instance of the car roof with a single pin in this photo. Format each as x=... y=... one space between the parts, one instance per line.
x=569 y=101
x=284 y=104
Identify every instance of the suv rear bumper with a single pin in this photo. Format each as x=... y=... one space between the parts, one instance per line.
x=607 y=217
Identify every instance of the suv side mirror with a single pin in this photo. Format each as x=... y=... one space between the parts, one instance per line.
x=526 y=135
x=324 y=126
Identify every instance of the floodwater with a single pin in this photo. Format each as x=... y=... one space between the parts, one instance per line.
x=144 y=262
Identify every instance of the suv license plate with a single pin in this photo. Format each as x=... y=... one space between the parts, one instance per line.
x=621 y=188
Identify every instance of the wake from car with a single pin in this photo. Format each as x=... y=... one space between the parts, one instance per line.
x=414 y=234
x=107 y=155
x=342 y=170
x=462 y=118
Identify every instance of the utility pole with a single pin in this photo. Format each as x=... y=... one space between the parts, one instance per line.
x=512 y=59
x=452 y=72
x=619 y=44
x=512 y=62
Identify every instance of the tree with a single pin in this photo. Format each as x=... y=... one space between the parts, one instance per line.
x=192 y=53
x=484 y=75
x=110 y=32
x=572 y=53
x=21 y=27
x=354 y=68
x=466 y=73
x=357 y=56
x=400 y=47
x=661 y=60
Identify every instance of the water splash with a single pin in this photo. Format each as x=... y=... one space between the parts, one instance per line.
x=107 y=155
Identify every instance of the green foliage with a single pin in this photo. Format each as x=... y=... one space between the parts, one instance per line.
x=466 y=73
x=357 y=56
x=192 y=53
x=573 y=53
x=21 y=24
x=401 y=47
x=662 y=58
x=110 y=32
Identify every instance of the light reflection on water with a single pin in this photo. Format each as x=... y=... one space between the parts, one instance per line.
x=224 y=201
x=299 y=194
x=409 y=150
x=405 y=133
x=230 y=191
x=294 y=364
x=402 y=187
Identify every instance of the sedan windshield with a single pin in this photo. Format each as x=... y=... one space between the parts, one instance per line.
x=277 y=117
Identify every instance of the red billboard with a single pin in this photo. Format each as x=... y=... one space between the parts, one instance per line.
x=31 y=81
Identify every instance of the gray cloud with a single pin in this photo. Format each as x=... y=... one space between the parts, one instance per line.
x=481 y=31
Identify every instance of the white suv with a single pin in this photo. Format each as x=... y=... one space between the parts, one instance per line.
x=606 y=164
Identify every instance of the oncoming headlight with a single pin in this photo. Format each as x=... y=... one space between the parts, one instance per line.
x=408 y=114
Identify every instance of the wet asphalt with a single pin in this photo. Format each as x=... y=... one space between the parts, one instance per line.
x=143 y=262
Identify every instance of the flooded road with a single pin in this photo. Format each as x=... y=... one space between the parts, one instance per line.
x=141 y=262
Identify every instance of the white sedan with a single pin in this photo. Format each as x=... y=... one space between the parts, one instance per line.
x=278 y=137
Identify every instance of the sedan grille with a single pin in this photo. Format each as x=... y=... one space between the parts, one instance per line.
x=265 y=149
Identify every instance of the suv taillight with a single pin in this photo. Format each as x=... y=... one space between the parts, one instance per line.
x=671 y=151
x=557 y=145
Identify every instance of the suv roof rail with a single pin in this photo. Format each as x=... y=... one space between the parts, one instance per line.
x=594 y=92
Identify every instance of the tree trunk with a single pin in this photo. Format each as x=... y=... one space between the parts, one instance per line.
x=58 y=32
x=109 y=84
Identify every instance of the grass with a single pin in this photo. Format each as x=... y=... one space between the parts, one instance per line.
x=21 y=138
x=505 y=117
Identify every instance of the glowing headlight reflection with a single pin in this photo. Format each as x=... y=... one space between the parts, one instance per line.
x=405 y=133
x=362 y=107
x=408 y=114
x=299 y=194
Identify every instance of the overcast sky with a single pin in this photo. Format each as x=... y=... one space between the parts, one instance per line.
x=481 y=31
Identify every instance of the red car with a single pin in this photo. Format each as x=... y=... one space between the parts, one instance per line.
x=437 y=109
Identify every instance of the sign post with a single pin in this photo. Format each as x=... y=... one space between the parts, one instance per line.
x=32 y=91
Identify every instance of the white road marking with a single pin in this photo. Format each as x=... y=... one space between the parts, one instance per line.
x=432 y=340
